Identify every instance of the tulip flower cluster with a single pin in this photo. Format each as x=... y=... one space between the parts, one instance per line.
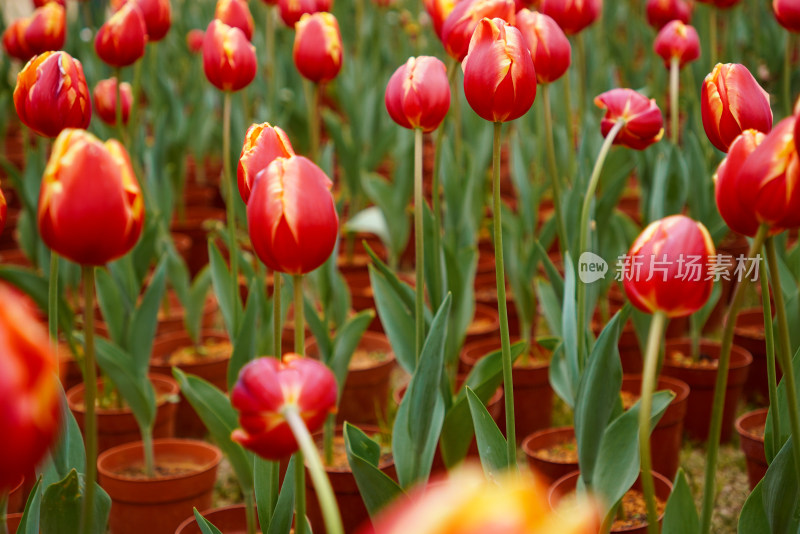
x=157 y=16
x=121 y=40
x=43 y=31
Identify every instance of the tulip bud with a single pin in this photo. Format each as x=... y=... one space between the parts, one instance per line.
x=739 y=216
x=121 y=40
x=194 y=40
x=722 y=4
x=550 y=48
x=439 y=10
x=677 y=40
x=91 y=209
x=459 y=26
x=267 y=388
x=418 y=94
x=731 y=101
x=30 y=406
x=105 y=100
x=157 y=16
x=51 y=94
x=572 y=15
x=292 y=10
x=660 y=12
x=499 y=78
x=317 y=49
x=643 y=120
x=3 y=210
x=235 y=13
x=229 y=60
x=666 y=269
x=787 y=12
x=262 y=144
x=43 y=31
x=291 y=216
x=769 y=181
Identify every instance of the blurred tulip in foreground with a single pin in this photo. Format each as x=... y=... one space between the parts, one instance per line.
x=51 y=94
x=739 y=216
x=236 y=13
x=787 y=12
x=550 y=48
x=660 y=12
x=229 y=60
x=292 y=10
x=43 y=31
x=572 y=15
x=157 y=16
x=121 y=40
x=91 y=209
x=262 y=144
x=460 y=24
x=317 y=48
x=3 y=210
x=266 y=388
x=731 y=101
x=643 y=120
x=30 y=409
x=40 y=3
x=105 y=100
x=418 y=94
x=677 y=40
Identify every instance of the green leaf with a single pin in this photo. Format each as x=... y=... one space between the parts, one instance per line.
x=219 y=417
x=397 y=319
x=69 y=452
x=363 y=455
x=205 y=525
x=284 y=509
x=62 y=505
x=780 y=492
x=264 y=472
x=112 y=306
x=244 y=348
x=680 y=515
x=345 y=343
x=222 y=280
x=145 y=320
x=551 y=307
x=781 y=409
x=195 y=305
x=753 y=517
x=492 y=446
x=29 y=524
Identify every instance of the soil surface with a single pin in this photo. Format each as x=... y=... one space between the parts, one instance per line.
x=564 y=453
x=210 y=350
x=364 y=359
x=170 y=469
x=635 y=511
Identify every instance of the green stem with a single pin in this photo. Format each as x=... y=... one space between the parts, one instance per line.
x=657 y=326
x=123 y=134
x=250 y=510
x=674 y=87
x=52 y=303
x=327 y=500
x=133 y=117
x=299 y=325
x=269 y=64
x=571 y=137
x=327 y=438
x=715 y=427
x=505 y=342
x=149 y=454
x=277 y=327
x=455 y=106
x=436 y=293
x=312 y=102
x=769 y=342
x=582 y=74
x=90 y=394
x=419 y=232
x=787 y=75
x=299 y=493
x=785 y=354
x=712 y=35
x=555 y=178
x=583 y=238
x=4 y=512
x=230 y=203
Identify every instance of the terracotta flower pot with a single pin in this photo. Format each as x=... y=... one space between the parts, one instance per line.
x=228 y=519
x=194 y=225
x=158 y=505
x=118 y=426
x=667 y=436
x=549 y=469
x=702 y=380
x=749 y=334
x=486 y=294
x=533 y=396
x=365 y=396
x=485 y=324
x=566 y=485
x=750 y=427
x=172 y=318
x=361 y=295
x=213 y=369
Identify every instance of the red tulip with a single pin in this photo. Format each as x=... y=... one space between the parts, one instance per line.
x=667 y=267
x=229 y=60
x=121 y=40
x=157 y=16
x=91 y=209
x=105 y=100
x=550 y=48
x=194 y=40
x=787 y=12
x=266 y=388
x=292 y=10
x=677 y=40
x=30 y=406
x=317 y=49
x=572 y=15
x=3 y=210
x=660 y=12
x=643 y=120
x=499 y=78
x=739 y=215
x=236 y=13
x=459 y=26
x=731 y=101
x=51 y=94
x=291 y=216
x=418 y=94
x=42 y=32
x=723 y=4
x=439 y=10
x=769 y=181
x=40 y=3
x=262 y=144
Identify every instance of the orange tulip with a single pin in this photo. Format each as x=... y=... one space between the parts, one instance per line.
x=739 y=216
x=418 y=94
x=292 y=10
x=787 y=13
x=660 y=12
x=291 y=216
x=572 y=15
x=30 y=408
x=262 y=144
x=51 y=94
x=677 y=40
x=121 y=40
x=643 y=120
x=42 y=32
x=317 y=49
x=157 y=16
x=550 y=48
x=229 y=60
x=105 y=100
x=236 y=13
x=91 y=209
x=459 y=26
x=3 y=210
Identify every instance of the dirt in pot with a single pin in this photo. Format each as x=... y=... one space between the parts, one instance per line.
x=209 y=350
x=163 y=470
x=340 y=452
x=565 y=453
x=364 y=359
x=757 y=431
x=634 y=511
x=704 y=361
